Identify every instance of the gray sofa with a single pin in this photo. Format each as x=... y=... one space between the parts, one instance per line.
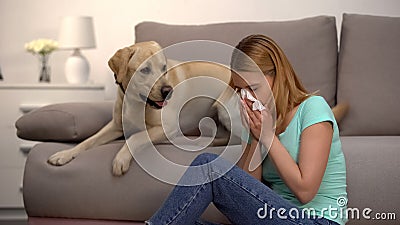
x=364 y=72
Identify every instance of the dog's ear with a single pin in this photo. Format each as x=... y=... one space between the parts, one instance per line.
x=119 y=62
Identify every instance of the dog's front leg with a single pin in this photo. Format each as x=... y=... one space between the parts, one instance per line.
x=135 y=143
x=108 y=133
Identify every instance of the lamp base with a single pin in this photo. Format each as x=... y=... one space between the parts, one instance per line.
x=77 y=68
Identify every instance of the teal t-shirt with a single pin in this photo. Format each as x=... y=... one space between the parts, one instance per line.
x=331 y=195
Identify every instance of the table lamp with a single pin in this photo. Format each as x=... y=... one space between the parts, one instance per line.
x=77 y=33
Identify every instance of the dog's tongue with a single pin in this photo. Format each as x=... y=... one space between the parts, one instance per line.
x=161 y=103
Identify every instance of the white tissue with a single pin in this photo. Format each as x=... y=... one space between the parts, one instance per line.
x=257 y=105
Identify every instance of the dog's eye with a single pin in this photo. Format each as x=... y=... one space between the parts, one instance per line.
x=145 y=70
x=164 y=68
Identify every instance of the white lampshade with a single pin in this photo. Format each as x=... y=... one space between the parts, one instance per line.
x=76 y=32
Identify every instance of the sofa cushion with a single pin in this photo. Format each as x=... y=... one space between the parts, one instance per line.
x=65 y=122
x=310 y=44
x=65 y=221
x=373 y=178
x=369 y=74
x=60 y=191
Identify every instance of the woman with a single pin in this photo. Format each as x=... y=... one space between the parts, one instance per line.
x=305 y=167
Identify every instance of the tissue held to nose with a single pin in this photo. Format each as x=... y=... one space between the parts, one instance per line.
x=257 y=105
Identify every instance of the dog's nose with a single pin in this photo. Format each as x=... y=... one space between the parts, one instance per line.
x=166 y=92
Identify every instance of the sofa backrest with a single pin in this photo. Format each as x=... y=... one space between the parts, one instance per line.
x=369 y=74
x=310 y=44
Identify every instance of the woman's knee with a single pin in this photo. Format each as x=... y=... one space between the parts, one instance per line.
x=204 y=158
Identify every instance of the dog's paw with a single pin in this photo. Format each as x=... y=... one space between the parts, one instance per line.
x=121 y=162
x=62 y=157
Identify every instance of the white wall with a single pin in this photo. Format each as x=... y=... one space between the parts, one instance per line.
x=24 y=20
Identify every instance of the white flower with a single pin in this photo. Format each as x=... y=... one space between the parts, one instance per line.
x=41 y=46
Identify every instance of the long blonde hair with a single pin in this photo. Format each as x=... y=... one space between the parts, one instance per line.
x=287 y=89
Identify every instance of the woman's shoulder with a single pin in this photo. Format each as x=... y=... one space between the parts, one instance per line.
x=315 y=109
x=315 y=102
x=316 y=99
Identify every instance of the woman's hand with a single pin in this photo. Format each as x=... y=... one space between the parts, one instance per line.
x=261 y=123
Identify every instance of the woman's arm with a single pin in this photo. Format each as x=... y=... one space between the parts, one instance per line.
x=246 y=159
x=304 y=178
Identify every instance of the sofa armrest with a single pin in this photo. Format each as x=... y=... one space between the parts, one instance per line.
x=64 y=122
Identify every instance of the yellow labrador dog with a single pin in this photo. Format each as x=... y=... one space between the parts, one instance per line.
x=150 y=91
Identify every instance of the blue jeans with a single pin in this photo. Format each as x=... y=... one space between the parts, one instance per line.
x=240 y=197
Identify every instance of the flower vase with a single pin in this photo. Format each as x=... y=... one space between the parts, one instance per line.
x=44 y=72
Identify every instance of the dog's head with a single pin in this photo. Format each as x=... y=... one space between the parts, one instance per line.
x=143 y=68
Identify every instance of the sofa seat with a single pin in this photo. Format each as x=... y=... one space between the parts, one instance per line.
x=373 y=164
x=63 y=221
x=93 y=192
